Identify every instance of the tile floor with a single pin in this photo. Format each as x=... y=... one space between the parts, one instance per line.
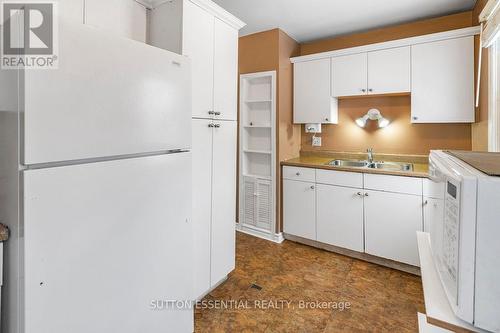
x=380 y=299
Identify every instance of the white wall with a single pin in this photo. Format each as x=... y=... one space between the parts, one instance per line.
x=126 y=18
x=165 y=26
x=71 y=10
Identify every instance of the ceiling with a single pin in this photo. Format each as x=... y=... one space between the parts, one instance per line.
x=316 y=19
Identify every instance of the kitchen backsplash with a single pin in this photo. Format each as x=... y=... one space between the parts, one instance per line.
x=399 y=137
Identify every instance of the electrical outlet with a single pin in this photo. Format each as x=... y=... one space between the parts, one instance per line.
x=316 y=141
x=313 y=128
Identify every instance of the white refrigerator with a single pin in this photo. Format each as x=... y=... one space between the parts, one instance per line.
x=95 y=185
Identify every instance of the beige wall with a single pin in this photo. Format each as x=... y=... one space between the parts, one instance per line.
x=399 y=137
x=422 y=27
x=404 y=137
x=271 y=50
x=267 y=51
x=288 y=136
x=256 y=53
x=259 y=52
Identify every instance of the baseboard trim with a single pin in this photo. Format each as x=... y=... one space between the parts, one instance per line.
x=357 y=255
x=275 y=238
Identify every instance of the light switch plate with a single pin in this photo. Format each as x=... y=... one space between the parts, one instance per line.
x=316 y=141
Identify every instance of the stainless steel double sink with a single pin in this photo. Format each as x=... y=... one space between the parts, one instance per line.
x=372 y=165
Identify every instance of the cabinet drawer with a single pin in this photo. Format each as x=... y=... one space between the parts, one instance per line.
x=397 y=184
x=433 y=189
x=340 y=178
x=302 y=174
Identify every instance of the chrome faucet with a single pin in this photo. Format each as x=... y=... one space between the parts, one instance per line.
x=370 y=155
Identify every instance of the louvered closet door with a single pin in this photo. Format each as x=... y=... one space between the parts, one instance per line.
x=264 y=204
x=249 y=202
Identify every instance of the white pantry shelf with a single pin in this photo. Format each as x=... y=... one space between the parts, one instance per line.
x=254 y=151
x=257 y=176
x=258 y=126
x=258 y=101
x=257 y=153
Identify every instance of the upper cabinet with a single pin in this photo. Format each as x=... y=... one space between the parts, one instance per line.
x=443 y=81
x=225 y=71
x=124 y=18
x=313 y=102
x=198 y=45
x=209 y=38
x=389 y=71
x=436 y=69
x=349 y=75
x=372 y=73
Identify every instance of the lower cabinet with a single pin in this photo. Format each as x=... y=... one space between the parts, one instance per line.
x=257 y=204
x=371 y=213
x=339 y=216
x=391 y=223
x=433 y=211
x=299 y=208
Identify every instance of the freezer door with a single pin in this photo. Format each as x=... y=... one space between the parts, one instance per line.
x=104 y=242
x=110 y=96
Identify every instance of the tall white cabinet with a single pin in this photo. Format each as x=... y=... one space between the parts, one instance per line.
x=208 y=35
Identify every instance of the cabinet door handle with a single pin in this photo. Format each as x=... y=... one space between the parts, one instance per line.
x=366 y=195
x=211 y=112
x=370 y=90
x=217 y=113
x=426 y=202
x=360 y=194
x=211 y=125
x=415 y=118
x=297 y=174
x=312 y=187
x=363 y=90
x=217 y=125
x=326 y=119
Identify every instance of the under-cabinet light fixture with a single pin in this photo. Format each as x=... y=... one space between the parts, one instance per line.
x=373 y=114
